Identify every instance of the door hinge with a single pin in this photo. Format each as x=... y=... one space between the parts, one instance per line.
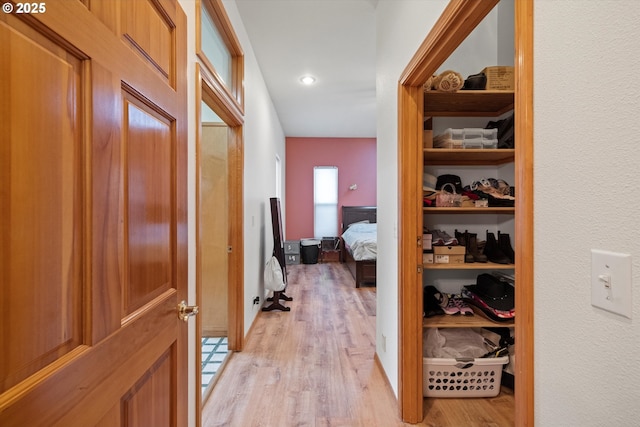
x=419 y=269
x=419 y=241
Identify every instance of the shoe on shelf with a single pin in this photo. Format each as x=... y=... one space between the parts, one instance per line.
x=493 y=252
x=448 y=304
x=504 y=243
x=462 y=306
x=441 y=238
x=472 y=247
x=464 y=241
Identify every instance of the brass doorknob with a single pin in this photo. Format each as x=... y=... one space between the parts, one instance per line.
x=185 y=311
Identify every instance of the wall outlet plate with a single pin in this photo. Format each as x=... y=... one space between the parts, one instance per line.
x=611 y=282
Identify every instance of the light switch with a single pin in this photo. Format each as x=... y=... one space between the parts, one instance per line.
x=611 y=281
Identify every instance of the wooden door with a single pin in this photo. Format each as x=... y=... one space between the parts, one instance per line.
x=93 y=235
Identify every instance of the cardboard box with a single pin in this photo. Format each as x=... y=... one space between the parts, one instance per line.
x=427 y=139
x=426 y=241
x=427 y=258
x=448 y=254
x=500 y=78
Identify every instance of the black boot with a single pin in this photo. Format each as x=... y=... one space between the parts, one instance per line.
x=493 y=252
x=504 y=243
x=464 y=241
x=472 y=247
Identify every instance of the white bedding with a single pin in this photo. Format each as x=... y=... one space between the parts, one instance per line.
x=361 y=238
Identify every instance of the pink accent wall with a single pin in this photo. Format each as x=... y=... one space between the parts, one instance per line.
x=356 y=162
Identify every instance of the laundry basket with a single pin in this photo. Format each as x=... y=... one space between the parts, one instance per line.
x=479 y=377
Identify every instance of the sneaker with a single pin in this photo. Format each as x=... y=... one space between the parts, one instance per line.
x=462 y=306
x=448 y=304
x=441 y=238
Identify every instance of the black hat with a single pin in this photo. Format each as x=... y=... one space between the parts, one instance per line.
x=431 y=301
x=494 y=292
x=449 y=179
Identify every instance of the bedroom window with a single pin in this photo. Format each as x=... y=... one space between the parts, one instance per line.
x=325 y=201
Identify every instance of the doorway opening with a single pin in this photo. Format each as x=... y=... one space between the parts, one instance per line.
x=219 y=86
x=214 y=248
x=219 y=247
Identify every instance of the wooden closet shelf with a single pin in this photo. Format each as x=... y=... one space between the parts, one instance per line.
x=472 y=211
x=468 y=103
x=469 y=266
x=468 y=156
x=478 y=320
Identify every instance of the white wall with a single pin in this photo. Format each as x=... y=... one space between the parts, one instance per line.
x=587 y=104
x=263 y=140
x=586 y=107
x=401 y=27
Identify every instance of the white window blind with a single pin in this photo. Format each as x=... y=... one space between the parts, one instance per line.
x=325 y=201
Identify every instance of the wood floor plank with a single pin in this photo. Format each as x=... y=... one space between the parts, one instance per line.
x=314 y=366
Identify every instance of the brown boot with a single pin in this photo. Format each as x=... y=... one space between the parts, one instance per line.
x=472 y=248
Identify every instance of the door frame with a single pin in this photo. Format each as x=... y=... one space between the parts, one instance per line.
x=458 y=19
x=226 y=99
x=235 y=151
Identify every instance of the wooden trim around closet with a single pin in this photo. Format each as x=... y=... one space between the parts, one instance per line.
x=410 y=252
x=524 y=292
x=459 y=18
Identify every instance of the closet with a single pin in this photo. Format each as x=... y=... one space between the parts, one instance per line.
x=470 y=165
x=512 y=165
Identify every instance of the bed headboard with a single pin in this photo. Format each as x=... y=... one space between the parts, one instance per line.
x=351 y=214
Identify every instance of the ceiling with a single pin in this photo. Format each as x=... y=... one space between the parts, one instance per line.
x=332 y=40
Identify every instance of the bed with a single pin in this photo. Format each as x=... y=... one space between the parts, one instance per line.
x=358 y=250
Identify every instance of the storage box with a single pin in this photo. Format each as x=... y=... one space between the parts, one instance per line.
x=427 y=257
x=427 y=238
x=427 y=139
x=479 y=377
x=479 y=138
x=500 y=78
x=330 y=255
x=292 y=247
x=448 y=254
x=330 y=243
x=292 y=259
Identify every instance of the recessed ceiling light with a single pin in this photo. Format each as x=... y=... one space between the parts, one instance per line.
x=308 y=80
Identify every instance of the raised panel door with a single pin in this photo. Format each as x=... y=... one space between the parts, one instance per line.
x=93 y=221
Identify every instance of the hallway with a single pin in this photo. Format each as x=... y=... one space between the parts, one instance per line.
x=313 y=366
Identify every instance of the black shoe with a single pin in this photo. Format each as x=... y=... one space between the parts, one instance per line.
x=475 y=82
x=463 y=241
x=504 y=243
x=493 y=252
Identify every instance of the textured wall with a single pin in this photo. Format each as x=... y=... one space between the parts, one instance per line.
x=587 y=105
x=263 y=140
x=356 y=162
x=401 y=27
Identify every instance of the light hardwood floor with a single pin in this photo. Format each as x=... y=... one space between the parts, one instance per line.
x=314 y=366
